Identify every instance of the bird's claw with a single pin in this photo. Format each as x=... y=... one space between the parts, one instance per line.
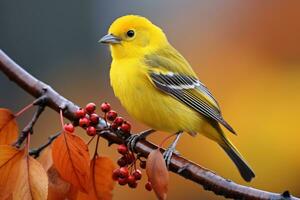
x=168 y=155
x=133 y=139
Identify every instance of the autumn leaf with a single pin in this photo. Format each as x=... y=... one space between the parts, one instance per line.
x=10 y=160
x=158 y=174
x=101 y=183
x=32 y=181
x=101 y=177
x=8 y=127
x=10 y=197
x=71 y=159
x=58 y=189
x=45 y=158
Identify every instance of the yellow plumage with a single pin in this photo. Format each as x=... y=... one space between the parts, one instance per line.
x=146 y=103
x=158 y=87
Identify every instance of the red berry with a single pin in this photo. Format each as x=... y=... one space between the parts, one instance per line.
x=137 y=174
x=133 y=185
x=80 y=113
x=90 y=108
x=105 y=107
x=125 y=127
x=111 y=115
x=69 y=128
x=124 y=172
x=94 y=118
x=114 y=126
x=143 y=164
x=122 y=162
x=122 y=181
x=131 y=179
x=122 y=149
x=84 y=122
x=116 y=174
x=148 y=186
x=91 y=131
x=119 y=121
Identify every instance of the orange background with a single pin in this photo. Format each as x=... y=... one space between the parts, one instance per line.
x=246 y=52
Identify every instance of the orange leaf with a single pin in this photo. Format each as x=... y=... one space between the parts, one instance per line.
x=58 y=189
x=71 y=159
x=101 y=182
x=10 y=197
x=73 y=193
x=101 y=177
x=10 y=160
x=45 y=158
x=32 y=182
x=158 y=174
x=8 y=127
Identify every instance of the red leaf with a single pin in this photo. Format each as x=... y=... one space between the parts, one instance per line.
x=8 y=127
x=71 y=159
x=158 y=174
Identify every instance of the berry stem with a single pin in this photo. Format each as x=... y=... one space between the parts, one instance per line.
x=23 y=110
x=164 y=140
x=131 y=167
x=96 y=149
x=90 y=140
x=105 y=119
x=134 y=162
x=61 y=119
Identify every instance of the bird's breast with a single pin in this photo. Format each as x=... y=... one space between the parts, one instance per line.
x=130 y=82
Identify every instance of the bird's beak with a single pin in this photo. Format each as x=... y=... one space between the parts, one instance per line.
x=110 y=39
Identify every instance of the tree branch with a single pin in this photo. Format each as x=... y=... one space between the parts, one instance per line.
x=29 y=127
x=187 y=169
x=36 y=152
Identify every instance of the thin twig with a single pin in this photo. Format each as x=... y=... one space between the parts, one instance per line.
x=179 y=165
x=36 y=152
x=29 y=127
x=97 y=145
x=92 y=138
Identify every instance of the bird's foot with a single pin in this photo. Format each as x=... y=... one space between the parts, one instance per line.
x=168 y=155
x=171 y=150
x=133 y=139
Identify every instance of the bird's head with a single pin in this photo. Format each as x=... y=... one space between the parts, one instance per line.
x=132 y=36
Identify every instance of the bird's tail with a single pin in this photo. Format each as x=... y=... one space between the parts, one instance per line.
x=244 y=169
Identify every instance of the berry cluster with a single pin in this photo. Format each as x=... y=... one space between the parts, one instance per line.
x=88 y=119
x=128 y=174
x=119 y=123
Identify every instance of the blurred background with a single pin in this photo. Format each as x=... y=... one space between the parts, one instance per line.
x=246 y=52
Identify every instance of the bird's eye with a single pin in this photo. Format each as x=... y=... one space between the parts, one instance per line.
x=130 y=33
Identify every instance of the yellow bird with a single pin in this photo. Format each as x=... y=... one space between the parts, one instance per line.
x=158 y=87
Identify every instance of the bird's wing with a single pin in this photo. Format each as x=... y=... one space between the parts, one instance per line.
x=168 y=59
x=184 y=86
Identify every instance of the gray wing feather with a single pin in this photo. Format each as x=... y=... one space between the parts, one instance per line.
x=179 y=86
